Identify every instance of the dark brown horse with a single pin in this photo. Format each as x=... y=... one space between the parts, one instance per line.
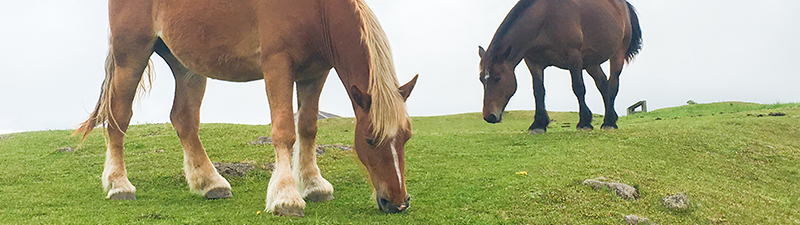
x=287 y=44
x=570 y=34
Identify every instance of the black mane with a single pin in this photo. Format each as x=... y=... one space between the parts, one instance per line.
x=512 y=17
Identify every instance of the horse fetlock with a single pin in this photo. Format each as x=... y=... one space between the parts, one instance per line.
x=211 y=186
x=317 y=189
x=285 y=202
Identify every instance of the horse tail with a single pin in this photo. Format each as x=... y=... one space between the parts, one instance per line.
x=636 y=34
x=102 y=114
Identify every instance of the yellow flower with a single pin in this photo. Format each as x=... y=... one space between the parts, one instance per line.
x=524 y=173
x=258 y=213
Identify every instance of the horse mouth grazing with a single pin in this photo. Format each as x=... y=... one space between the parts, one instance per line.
x=386 y=206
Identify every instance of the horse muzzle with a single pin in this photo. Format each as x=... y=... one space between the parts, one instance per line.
x=386 y=206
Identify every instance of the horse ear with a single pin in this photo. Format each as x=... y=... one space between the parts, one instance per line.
x=481 y=51
x=405 y=90
x=361 y=99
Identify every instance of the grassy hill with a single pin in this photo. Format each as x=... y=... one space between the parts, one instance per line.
x=738 y=165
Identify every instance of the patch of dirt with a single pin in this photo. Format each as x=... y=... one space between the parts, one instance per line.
x=624 y=191
x=770 y=114
x=679 y=202
x=240 y=169
x=321 y=149
x=66 y=149
x=777 y=114
x=152 y=216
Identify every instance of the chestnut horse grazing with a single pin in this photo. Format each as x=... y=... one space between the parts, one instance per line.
x=570 y=34
x=286 y=43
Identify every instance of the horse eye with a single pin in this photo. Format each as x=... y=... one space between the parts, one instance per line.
x=370 y=142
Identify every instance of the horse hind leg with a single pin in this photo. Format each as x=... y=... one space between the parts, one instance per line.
x=309 y=181
x=601 y=81
x=610 y=120
x=126 y=63
x=201 y=175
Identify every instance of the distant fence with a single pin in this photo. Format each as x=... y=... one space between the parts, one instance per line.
x=641 y=104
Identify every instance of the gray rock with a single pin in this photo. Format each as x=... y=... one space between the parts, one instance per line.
x=262 y=141
x=679 y=202
x=622 y=190
x=65 y=149
x=636 y=220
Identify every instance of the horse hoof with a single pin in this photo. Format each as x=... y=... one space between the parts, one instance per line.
x=319 y=197
x=219 y=193
x=294 y=211
x=605 y=127
x=585 y=128
x=122 y=196
x=537 y=131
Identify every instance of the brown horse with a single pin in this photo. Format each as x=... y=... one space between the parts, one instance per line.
x=286 y=43
x=569 y=34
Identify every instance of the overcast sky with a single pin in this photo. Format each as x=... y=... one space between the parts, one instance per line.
x=51 y=66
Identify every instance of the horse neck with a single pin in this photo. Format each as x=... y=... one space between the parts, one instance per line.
x=346 y=52
x=512 y=38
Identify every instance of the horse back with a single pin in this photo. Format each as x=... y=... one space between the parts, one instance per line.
x=222 y=39
x=598 y=30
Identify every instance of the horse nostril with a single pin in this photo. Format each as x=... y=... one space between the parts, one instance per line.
x=492 y=118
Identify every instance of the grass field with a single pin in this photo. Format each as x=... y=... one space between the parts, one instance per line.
x=738 y=165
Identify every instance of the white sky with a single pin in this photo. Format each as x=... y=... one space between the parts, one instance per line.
x=704 y=50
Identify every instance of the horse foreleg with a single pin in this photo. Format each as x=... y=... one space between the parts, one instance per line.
x=310 y=183
x=541 y=119
x=610 y=121
x=201 y=175
x=282 y=197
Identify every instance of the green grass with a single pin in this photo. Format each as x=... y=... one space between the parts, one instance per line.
x=737 y=169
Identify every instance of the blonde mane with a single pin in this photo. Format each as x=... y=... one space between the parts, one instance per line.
x=388 y=110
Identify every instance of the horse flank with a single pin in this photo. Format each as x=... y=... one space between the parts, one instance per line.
x=388 y=110
x=102 y=112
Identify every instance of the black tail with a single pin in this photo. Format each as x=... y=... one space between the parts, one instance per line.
x=636 y=34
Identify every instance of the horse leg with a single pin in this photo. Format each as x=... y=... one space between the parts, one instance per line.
x=129 y=60
x=610 y=120
x=579 y=89
x=601 y=81
x=282 y=197
x=201 y=175
x=541 y=119
x=310 y=183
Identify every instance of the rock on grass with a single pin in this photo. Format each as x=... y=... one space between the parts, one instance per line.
x=679 y=202
x=636 y=220
x=622 y=190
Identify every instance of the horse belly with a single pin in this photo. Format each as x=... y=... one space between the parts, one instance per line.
x=213 y=38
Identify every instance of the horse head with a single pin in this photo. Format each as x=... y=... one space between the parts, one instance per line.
x=383 y=152
x=499 y=84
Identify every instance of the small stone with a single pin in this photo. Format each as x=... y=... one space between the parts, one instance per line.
x=622 y=190
x=65 y=149
x=679 y=202
x=262 y=141
x=636 y=220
